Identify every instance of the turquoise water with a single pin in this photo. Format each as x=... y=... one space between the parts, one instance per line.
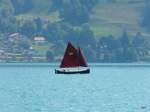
x=108 y=88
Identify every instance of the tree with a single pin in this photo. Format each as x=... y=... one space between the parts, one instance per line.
x=49 y=56
x=39 y=25
x=24 y=43
x=76 y=12
x=138 y=41
x=110 y=49
x=90 y=54
x=7 y=20
x=57 y=4
x=111 y=1
x=54 y=32
x=28 y=28
x=125 y=40
x=22 y=6
x=130 y=55
x=146 y=16
x=129 y=52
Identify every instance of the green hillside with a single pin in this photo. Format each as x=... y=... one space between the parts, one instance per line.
x=52 y=17
x=42 y=10
x=111 y=19
x=106 y=18
x=41 y=6
x=107 y=30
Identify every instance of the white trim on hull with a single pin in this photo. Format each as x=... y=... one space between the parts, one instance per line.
x=73 y=70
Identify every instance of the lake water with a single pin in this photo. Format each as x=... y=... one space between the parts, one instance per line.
x=108 y=88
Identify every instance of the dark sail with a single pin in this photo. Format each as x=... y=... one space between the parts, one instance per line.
x=70 y=57
x=81 y=58
x=73 y=57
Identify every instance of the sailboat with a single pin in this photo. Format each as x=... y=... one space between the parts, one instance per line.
x=73 y=62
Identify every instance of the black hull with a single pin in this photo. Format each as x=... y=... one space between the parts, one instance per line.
x=72 y=72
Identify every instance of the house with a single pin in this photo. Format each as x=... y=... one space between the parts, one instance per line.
x=15 y=37
x=39 y=40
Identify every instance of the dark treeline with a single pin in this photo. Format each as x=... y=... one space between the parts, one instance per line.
x=123 y=49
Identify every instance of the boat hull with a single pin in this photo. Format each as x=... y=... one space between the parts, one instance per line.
x=84 y=70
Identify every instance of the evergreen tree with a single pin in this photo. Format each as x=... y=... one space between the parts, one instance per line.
x=125 y=40
x=22 y=6
x=39 y=26
x=138 y=41
x=49 y=56
x=146 y=16
x=28 y=28
x=76 y=12
x=7 y=20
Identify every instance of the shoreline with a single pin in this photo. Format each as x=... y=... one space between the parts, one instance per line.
x=46 y=64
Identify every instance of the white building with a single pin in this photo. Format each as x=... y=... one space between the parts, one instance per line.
x=39 y=40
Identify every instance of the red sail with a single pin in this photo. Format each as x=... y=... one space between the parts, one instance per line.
x=81 y=59
x=71 y=57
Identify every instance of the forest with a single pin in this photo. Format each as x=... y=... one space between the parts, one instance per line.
x=60 y=21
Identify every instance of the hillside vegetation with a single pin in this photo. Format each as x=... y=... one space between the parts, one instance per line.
x=116 y=17
x=107 y=30
x=113 y=17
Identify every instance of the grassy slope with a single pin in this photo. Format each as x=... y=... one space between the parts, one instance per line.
x=41 y=6
x=40 y=9
x=111 y=19
x=52 y=17
x=106 y=19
